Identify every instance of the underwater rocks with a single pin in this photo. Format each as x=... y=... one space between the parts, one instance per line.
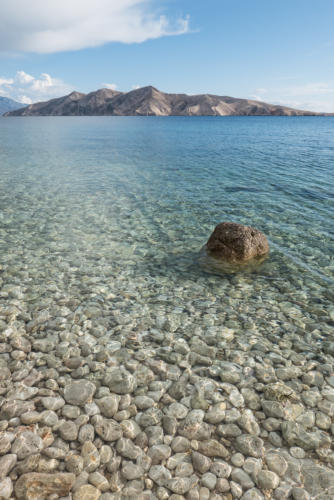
x=236 y=243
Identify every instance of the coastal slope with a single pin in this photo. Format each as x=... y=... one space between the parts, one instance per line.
x=149 y=101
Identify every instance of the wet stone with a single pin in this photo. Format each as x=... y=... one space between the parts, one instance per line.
x=7 y=462
x=40 y=485
x=107 y=429
x=87 y=492
x=159 y=474
x=6 y=488
x=27 y=443
x=250 y=446
x=77 y=393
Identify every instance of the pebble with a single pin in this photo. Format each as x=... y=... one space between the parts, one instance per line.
x=77 y=393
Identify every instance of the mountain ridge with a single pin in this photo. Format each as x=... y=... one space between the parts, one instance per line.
x=7 y=104
x=149 y=101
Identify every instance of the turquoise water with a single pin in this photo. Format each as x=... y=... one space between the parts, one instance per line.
x=114 y=211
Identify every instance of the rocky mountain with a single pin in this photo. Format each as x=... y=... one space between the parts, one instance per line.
x=150 y=101
x=7 y=104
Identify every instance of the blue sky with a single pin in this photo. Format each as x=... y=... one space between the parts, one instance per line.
x=279 y=51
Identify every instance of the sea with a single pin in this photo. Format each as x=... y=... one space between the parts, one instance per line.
x=114 y=212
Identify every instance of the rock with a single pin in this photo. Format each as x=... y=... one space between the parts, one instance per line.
x=87 y=492
x=241 y=477
x=237 y=243
x=295 y=435
x=91 y=457
x=68 y=431
x=158 y=453
x=127 y=449
x=132 y=471
x=276 y=463
x=108 y=405
x=99 y=481
x=221 y=469
x=212 y=448
x=267 y=480
x=79 y=392
x=209 y=480
x=27 y=443
x=251 y=446
x=120 y=381
x=6 y=488
x=7 y=462
x=107 y=429
x=179 y=485
x=35 y=486
x=200 y=462
x=159 y=474
x=52 y=403
x=252 y=494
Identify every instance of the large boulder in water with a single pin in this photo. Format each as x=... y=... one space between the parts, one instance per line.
x=236 y=243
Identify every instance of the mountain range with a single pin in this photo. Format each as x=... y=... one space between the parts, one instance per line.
x=152 y=102
x=7 y=104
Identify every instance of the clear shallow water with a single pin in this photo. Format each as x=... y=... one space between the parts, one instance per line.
x=114 y=211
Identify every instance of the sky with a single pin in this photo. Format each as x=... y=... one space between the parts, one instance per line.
x=277 y=51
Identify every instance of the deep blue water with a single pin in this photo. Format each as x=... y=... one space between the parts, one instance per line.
x=142 y=194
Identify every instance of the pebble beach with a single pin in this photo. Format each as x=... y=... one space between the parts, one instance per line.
x=133 y=367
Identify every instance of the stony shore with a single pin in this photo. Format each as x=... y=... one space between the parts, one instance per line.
x=92 y=411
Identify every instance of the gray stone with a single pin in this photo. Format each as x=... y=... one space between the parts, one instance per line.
x=132 y=471
x=216 y=414
x=252 y=494
x=68 y=431
x=241 y=477
x=267 y=480
x=276 y=463
x=127 y=449
x=251 y=446
x=52 y=403
x=108 y=405
x=120 y=381
x=209 y=480
x=107 y=429
x=34 y=485
x=295 y=435
x=87 y=492
x=221 y=469
x=177 y=410
x=7 y=462
x=200 y=462
x=300 y=494
x=248 y=423
x=212 y=448
x=158 y=453
x=86 y=433
x=99 y=481
x=27 y=443
x=159 y=474
x=91 y=457
x=180 y=444
x=6 y=488
x=77 y=393
x=179 y=485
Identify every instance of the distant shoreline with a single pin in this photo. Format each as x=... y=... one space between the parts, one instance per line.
x=149 y=101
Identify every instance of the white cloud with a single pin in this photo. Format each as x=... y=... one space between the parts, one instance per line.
x=42 y=26
x=111 y=86
x=314 y=96
x=135 y=87
x=26 y=88
x=6 y=82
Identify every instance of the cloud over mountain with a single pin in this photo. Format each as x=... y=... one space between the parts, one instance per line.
x=27 y=88
x=45 y=27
